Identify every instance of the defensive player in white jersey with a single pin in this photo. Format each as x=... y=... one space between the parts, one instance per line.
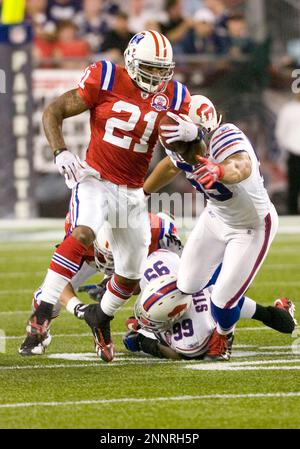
x=187 y=333
x=238 y=224
x=170 y=324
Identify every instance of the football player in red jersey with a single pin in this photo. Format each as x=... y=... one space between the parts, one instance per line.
x=126 y=106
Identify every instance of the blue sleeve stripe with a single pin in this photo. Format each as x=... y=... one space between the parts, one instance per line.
x=103 y=75
x=112 y=77
x=108 y=75
x=234 y=133
x=174 y=101
x=225 y=144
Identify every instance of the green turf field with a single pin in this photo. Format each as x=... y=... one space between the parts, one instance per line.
x=69 y=387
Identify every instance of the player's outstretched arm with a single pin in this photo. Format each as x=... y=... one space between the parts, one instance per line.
x=67 y=105
x=232 y=170
x=162 y=175
x=236 y=168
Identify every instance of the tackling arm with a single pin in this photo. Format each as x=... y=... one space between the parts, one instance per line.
x=237 y=168
x=67 y=105
x=162 y=175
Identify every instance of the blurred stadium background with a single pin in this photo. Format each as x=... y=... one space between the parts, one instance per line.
x=240 y=53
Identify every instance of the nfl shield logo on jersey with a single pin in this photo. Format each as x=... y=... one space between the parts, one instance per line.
x=160 y=102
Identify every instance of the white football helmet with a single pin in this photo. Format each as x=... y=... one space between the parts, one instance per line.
x=103 y=256
x=149 y=61
x=160 y=304
x=203 y=112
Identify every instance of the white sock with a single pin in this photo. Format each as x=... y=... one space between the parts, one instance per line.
x=73 y=302
x=115 y=297
x=52 y=287
x=111 y=303
x=248 y=308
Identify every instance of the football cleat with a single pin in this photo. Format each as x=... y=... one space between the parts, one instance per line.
x=100 y=327
x=219 y=348
x=287 y=305
x=37 y=340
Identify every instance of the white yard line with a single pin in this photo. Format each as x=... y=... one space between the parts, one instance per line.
x=153 y=399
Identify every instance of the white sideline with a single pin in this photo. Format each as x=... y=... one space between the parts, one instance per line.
x=158 y=399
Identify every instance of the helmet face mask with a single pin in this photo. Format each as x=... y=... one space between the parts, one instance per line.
x=149 y=61
x=161 y=304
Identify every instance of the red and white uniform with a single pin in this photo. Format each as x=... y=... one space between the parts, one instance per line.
x=124 y=130
x=124 y=121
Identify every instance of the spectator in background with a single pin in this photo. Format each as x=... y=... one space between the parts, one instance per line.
x=58 y=10
x=140 y=13
x=94 y=22
x=178 y=29
x=237 y=42
x=221 y=13
x=67 y=45
x=288 y=136
x=204 y=34
x=43 y=31
x=117 y=39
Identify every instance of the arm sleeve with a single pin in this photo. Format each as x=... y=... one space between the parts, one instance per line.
x=89 y=85
x=227 y=141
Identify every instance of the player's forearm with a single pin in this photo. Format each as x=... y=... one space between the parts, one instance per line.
x=162 y=175
x=236 y=169
x=67 y=105
x=67 y=293
x=52 y=122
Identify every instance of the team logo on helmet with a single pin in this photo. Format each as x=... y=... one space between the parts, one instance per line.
x=205 y=111
x=137 y=38
x=160 y=102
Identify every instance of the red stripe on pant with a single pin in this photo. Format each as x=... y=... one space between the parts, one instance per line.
x=237 y=296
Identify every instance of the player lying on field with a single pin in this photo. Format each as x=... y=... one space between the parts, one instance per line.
x=99 y=259
x=170 y=324
x=238 y=223
x=191 y=332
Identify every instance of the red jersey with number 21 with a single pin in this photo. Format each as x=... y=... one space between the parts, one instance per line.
x=124 y=121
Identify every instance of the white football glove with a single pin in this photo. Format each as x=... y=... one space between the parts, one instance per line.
x=70 y=167
x=185 y=131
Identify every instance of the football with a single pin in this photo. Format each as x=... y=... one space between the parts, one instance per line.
x=187 y=150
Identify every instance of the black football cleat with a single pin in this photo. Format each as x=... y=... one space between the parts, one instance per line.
x=99 y=323
x=37 y=340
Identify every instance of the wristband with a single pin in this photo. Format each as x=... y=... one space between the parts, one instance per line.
x=57 y=152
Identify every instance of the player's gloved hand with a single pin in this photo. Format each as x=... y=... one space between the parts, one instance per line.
x=173 y=240
x=70 y=167
x=132 y=324
x=184 y=131
x=209 y=172
x=95 y=291
x=132 y=342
